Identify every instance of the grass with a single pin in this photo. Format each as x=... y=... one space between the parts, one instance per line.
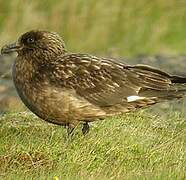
x=133 y=146
x=118 y=28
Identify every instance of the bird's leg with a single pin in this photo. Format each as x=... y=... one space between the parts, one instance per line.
x=70 y=129
x=85 y=128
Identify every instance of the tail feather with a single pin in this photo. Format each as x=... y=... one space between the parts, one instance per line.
x=164 y=95
x=149 y=98
x=159 y=84
x=178 y=79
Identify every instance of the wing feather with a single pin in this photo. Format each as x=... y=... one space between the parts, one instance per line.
x=105 y=82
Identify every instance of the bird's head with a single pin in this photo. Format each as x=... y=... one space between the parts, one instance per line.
x=37 y=43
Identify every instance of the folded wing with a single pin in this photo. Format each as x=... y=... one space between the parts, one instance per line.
x=109 y=84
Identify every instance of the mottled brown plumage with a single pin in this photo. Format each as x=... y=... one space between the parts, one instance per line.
x=66 y=88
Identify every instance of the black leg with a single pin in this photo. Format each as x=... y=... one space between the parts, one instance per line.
x=70 y=130
x=85 y=128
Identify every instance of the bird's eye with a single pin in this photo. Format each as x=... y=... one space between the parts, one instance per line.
x=30 y=40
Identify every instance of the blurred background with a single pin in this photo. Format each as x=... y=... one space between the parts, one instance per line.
x=150 y=32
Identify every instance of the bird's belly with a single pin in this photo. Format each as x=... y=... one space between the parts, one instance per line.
x=66 y=105
x=57 y=105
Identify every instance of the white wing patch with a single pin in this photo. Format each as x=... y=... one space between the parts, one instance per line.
x=134 y=98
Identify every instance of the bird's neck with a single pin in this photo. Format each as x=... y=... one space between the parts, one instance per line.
x=26 y=73
x=24 y=69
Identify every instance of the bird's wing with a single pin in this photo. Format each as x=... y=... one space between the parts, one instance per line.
x=105 y=82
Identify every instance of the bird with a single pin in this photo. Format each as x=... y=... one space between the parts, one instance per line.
x=69 y=89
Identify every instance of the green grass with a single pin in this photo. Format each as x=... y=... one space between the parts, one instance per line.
x=134 y=146
x=118 y=28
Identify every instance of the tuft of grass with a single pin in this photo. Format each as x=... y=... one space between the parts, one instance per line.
x=133 y=146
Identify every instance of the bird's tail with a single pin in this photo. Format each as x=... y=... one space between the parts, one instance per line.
x=164 y=94
x=159 y=84
x=151 y=97
x=178 y=79
x=176 y=90
x=155 y=86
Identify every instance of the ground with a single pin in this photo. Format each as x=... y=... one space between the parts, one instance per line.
x=137 y=145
